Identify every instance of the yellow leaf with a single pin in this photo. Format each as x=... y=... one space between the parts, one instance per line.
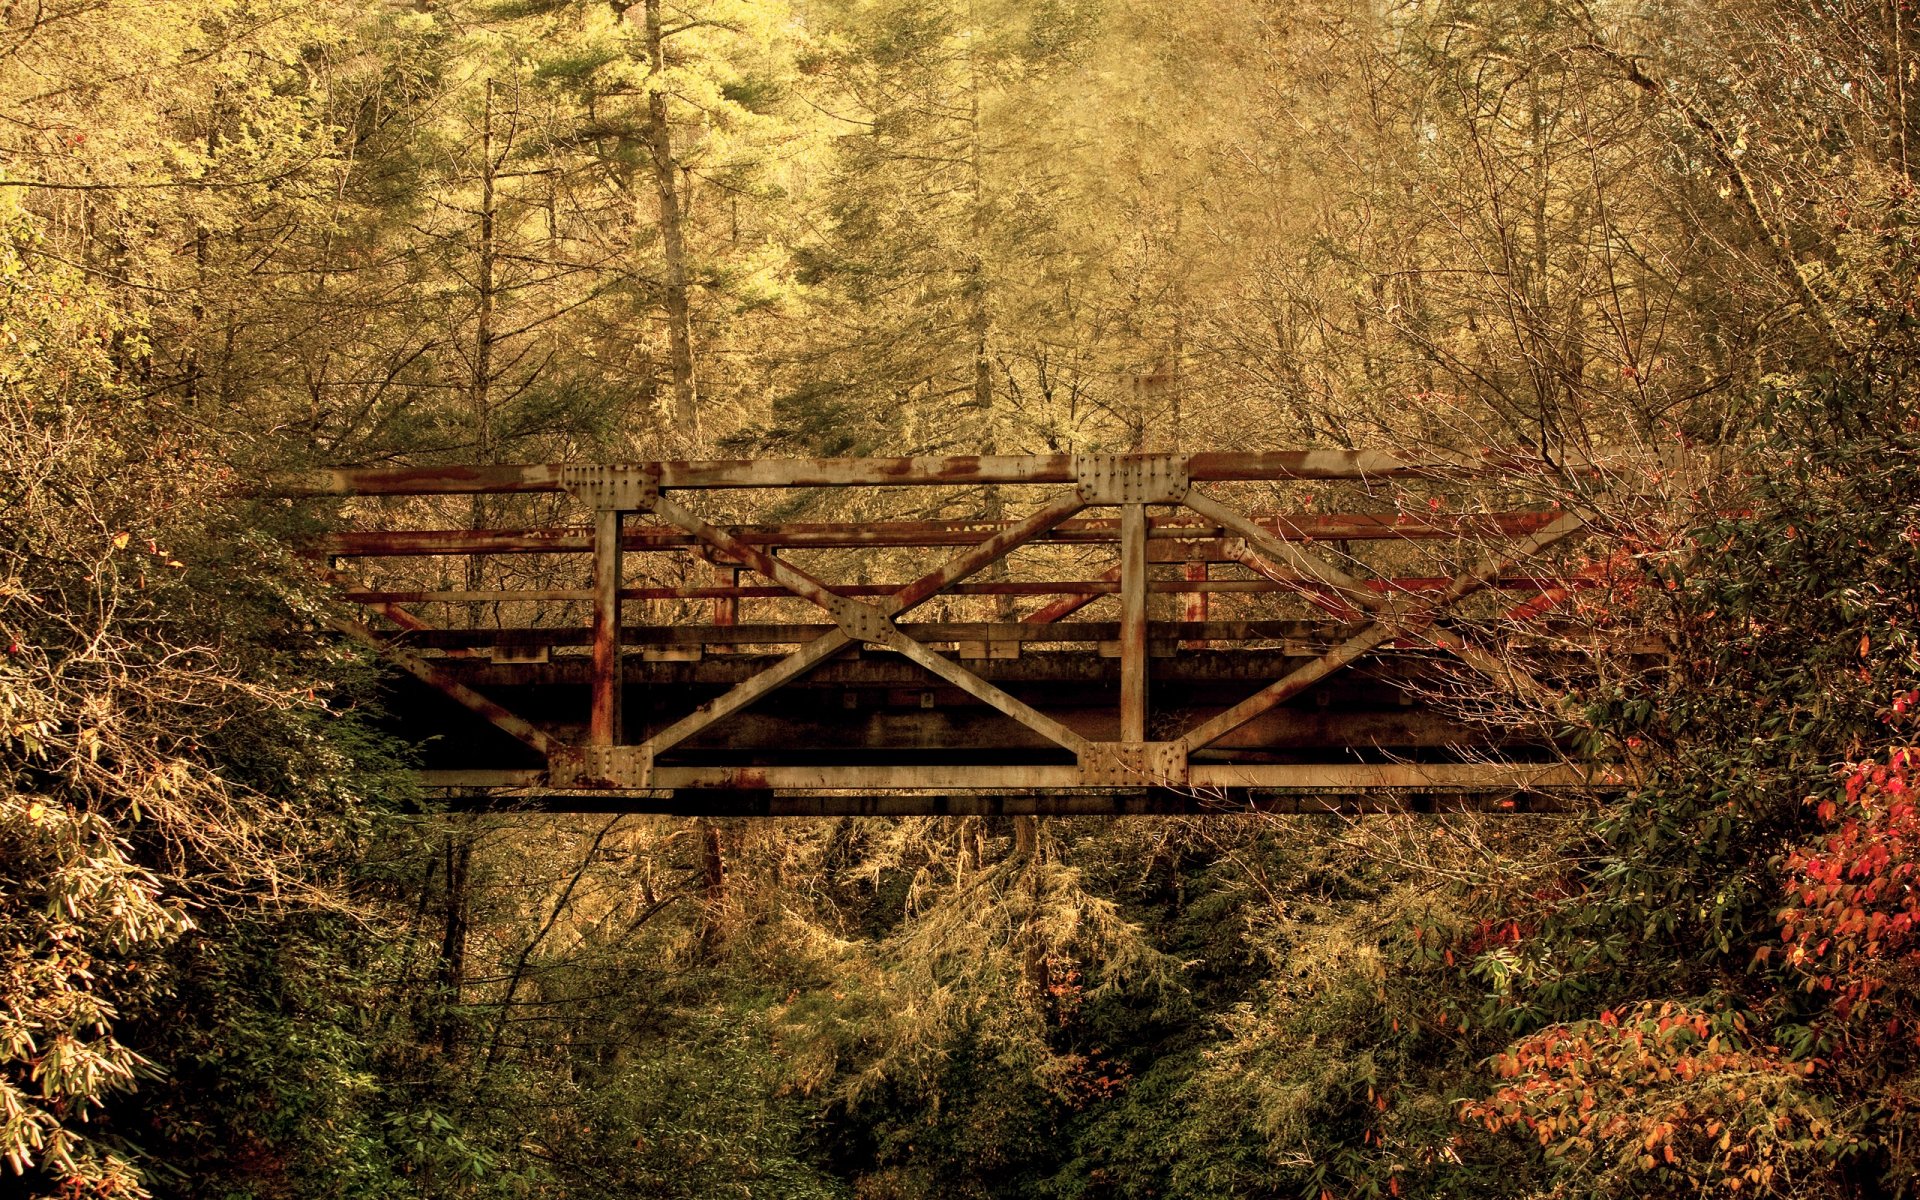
x=120 y=540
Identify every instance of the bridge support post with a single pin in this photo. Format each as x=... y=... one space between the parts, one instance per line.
x=1194 y=604
x=1133 y=623
x=603 y=721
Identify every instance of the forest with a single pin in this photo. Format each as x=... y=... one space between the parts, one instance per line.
x=243 y=956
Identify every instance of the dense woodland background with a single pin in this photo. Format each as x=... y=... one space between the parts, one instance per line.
x=237 y=960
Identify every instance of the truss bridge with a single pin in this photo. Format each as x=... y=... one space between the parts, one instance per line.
x=1065 y=633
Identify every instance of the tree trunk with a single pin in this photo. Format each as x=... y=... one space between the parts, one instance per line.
x=672 y=236
x=480 y=381
x=713 y=870
x=453 y=942
x=1026 y=851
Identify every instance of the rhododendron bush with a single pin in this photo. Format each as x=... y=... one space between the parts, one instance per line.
x=1772 y=1093
x=1852 y=925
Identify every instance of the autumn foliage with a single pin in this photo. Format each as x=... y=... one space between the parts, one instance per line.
x=1852 y=923
x=1680 y=1091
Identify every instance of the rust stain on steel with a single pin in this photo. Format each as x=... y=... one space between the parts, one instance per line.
x=1068 y=605
x=841 y=535
x=1286 y=687
x=1391 y=625
x=1194 y=606
x=726 y=608
x=987 y=693
x=1086 y=589
x=1133 y=623
x=418 y=481
x=792 y=667
x=435 y=677
x=881 y=472
x=1405 y=611
x=603 y=723
x=1290 y=556
x=1288 y=776
x=932 y=631
x=788 y=576
x=898 y=802
x=983 y=555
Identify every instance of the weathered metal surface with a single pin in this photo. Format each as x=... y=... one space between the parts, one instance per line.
x=751 y=689
x=984 y=555
x=1193 y=603
x=1233 y=671
x=972 y=684
x=1066 y=606
x=1393 y=622
x=1203 y=778
x=604 y=725
x=877 y=729
x=1308 y=566
x=1089 y=588
x=1133 y=623
x=925 y=714
x=877 y=472
x=436 y=677
x=1131 y=479
x=1088 y=802
x=1134 y=763
x=1293 y=527
x=726 y=607
x=1287 y=687
x=1327 y=632
x=597 y=766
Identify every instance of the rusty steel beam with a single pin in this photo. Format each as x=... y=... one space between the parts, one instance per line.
x=1091 y=589
x=947 y=728
x=983 y=555
x=1479 y=776
x=1066 y=606
x=497 y=715
x=408 y=621
x=884 y=472
x=1286 y=687
x=792 y=667
x=1325 y=599
x=1391 y=624
x=788 y=576
x=930 y=631
x=726 y=608
x=1294 y=527
x=504 y=797
x=603 y=726
x=1471 y=776
x=1591 y=575
x=1133 y=623
x=1239 y=670
x=1193 y=604
x=1327 y=632
x=987 y=693
x=806 y=586
x=1290 y=556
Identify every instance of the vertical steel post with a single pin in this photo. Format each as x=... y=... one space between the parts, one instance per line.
x=603 y=722
x=726 y=609
x=1133 y=623
x=1194 y=606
